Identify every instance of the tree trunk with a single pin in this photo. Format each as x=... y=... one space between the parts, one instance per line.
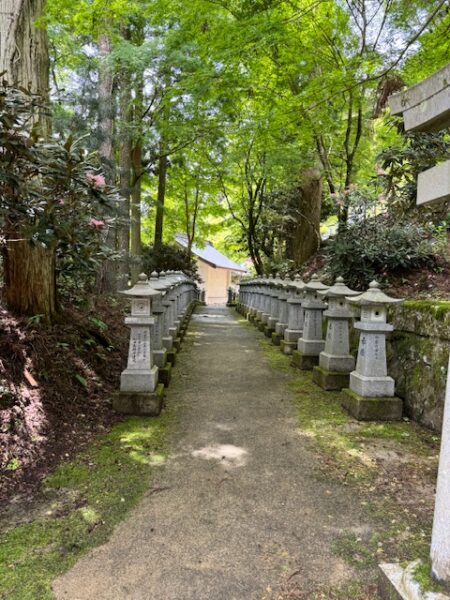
x=135 y=232
x=136 y=195
x=30 y=278
x=126 y=116
x=29 y=270
x=307 y=234
x=162 y=176
x=24 y=54
x=108 y=277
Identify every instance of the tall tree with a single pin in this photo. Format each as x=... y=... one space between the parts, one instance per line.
x=29 y=268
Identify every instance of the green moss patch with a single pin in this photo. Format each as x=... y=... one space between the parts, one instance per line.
x=103 y=484
x=390 y=465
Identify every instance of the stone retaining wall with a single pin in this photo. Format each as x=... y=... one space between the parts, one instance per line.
x=418 y=352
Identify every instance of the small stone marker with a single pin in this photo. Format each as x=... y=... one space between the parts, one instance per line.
x=295 y=317
x=371 y=394
x=336 y=362
x=140 y=393
x=311 y=344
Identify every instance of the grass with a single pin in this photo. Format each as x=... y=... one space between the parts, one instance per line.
x=398 y=532
x=99 y=488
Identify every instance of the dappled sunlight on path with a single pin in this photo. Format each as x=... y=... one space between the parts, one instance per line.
x=241 y=509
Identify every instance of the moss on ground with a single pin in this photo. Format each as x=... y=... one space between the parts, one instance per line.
x=401 y=525
x=104 y=483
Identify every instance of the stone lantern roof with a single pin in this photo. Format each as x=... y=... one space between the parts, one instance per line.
x=296 y=284
x=374 y=295
x=142 y=289
x=339 y=290
x=315 y=285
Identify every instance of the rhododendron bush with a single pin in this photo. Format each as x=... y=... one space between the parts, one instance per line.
x=51 y=193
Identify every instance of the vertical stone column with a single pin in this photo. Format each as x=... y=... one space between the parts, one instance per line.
x=295 y=315
x=311 y=344
x=281 y=324
x=440 y=539
x=274 y=306
x=371 y=393
x=140 y=393
x=159 y=351
x=336 y=362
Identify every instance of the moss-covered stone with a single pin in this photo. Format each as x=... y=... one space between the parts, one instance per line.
x=330 y=380
x=140 y=403
x=165 y=374
x=276 y=338
x=372 y=409
x=305 y=362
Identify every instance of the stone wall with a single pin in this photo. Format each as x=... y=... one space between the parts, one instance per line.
x=418 y=352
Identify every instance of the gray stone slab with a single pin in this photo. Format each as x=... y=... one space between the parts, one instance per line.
x=433 y=185
x=425 y=106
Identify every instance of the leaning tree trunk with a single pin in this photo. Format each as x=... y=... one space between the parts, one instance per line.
x=29 y=270
x=307 y=233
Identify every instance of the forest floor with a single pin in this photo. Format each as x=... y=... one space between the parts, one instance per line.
x=55 y=390
x=253 y=484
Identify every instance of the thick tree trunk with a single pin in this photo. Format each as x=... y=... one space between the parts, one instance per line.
x=307 y=233
x=108 y=276
x=162 y=176
x=30 y=278
x=29 y=270
x=135 y=232
x=125 y=178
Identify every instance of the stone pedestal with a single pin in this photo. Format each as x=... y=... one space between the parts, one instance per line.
x=311 y=344
x=139 y=390
x=335 y=361
x=397 y=582
x=371 y=393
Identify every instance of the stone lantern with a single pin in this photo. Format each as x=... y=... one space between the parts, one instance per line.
x=371 y=393
x=159 y=351
x=336 y=362
x=295 y=315
x=311 y=344
x=140 y=393
x=274 y=311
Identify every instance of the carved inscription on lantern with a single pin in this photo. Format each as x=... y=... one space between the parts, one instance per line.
x=139 y=353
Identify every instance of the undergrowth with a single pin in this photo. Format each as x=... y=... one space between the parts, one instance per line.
x=97 y=489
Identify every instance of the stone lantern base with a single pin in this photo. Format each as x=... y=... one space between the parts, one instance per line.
x=330 y=380
x=276 y=338
x=372 y=408
x=145 y=404
x=305 y=362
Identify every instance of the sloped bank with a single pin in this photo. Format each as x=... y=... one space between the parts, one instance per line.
x=418 y=352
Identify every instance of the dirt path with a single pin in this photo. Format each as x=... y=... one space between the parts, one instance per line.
x=238 y=508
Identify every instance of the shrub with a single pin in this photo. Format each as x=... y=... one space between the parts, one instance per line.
x=169 y=257
x=375 y=248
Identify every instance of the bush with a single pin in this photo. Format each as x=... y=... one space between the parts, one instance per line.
x=376 y=248
x=169 y=257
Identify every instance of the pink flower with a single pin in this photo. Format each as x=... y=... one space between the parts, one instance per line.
x=333 y=195
x=380 y=171
x=61 y=202
x=96 y=223
x=96 y=180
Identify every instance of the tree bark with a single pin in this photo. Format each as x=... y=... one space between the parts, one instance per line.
x=126 y=116
x=307 y=234
x=162 y=176
x=108 y=276
x=29 y=270
x=30 y=278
